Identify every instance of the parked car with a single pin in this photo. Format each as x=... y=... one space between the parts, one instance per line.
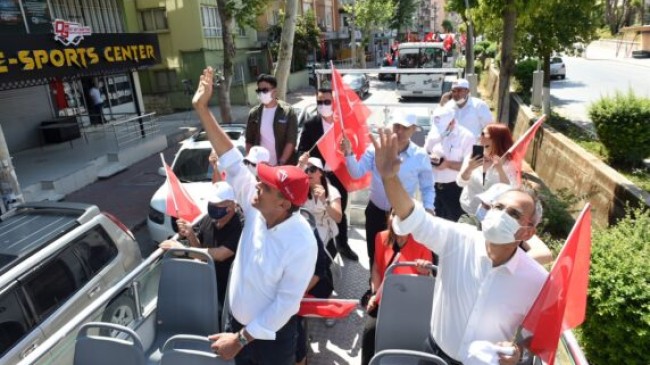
x=386 y=66
x=558 y=68
x=192 y=168
x=311 y=69
x=56 y=259
x=358 y=82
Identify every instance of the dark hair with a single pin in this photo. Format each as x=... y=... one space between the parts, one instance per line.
x=391 y=237
x=500 y=136
x=323 y=181
x=269 y=79
x=325 y=90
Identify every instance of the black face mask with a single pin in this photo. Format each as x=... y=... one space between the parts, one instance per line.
x=216 y=212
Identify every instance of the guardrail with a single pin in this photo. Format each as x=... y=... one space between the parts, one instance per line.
x=134 y=129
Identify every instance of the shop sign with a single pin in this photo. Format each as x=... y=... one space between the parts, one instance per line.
x=39 y=56
x=69 y=33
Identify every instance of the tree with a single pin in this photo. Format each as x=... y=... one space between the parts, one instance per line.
x=403 y=17
x=447 y=25
x=285 y=53
x=306 y=39
x=616 y=12
x=370 y=15
x=464 y=7
x=244 y=13
x=549 y=27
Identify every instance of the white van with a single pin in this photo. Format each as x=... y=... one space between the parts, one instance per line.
x=420 y=55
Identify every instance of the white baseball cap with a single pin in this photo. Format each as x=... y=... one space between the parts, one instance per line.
x=314 y=161
x=442 y=116
x=222 y=191
x=403 y=118
x=491 y=194
x=460 y=84
x=257 y=154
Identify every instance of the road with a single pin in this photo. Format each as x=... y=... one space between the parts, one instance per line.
x=590 y=79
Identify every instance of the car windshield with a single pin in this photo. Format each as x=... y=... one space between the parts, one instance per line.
x=192 y=165
x=352 y=79
x=556 y=60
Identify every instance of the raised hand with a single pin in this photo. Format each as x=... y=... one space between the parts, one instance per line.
x=386 y=157
x=204 y=90
x=345 y=146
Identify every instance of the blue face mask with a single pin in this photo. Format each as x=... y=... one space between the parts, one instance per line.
x=216 y=212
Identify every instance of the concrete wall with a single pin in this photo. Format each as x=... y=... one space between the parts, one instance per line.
x=562 y=164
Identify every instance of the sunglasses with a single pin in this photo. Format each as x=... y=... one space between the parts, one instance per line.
x=248 y=163
x=263 y=90
x=311 y=169
x=323 y=102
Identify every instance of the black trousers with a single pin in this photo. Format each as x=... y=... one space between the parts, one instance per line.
x=281 y=351
x=376 y=221
x=448 y=201
x=342 y=238
x=368 y=339
x=432 y=347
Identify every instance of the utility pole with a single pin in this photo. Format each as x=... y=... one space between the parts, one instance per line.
x=469 y=43
x=9 y=187
x=353 y=40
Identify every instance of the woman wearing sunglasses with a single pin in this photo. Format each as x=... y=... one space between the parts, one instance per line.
x=323 y=202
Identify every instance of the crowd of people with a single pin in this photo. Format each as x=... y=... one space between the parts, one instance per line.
x=273 y=228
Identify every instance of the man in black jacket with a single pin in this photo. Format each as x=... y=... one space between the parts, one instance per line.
x=312 y=131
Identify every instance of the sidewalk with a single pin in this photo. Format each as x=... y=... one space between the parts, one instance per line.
x=607 y=50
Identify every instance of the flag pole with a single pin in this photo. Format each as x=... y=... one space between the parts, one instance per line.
x=162 y=158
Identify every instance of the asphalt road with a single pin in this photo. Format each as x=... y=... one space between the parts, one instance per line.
x=589 y=79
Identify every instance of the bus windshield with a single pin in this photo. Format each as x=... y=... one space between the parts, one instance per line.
x=421 y=57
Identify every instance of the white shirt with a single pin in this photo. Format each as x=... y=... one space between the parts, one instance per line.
x=472 y=300
x=454 y=147
x=325 y=224
x=272 y=267
x=474 y=116
x=95 y=96
x=267 y=135
x=476 y=184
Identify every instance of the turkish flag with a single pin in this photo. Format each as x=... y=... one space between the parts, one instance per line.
x=518 y=150
x=350 y=115
x=428 y=37
x=327 y=308
x=179 y=203
x=561 y=303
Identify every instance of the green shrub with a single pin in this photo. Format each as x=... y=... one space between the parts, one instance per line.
x=491 y=50
x=617 y=325
x=524 y=74
x=621 y=122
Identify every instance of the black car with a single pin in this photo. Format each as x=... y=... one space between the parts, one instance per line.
x=358 y=82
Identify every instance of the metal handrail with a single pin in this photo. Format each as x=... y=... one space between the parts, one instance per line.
x=393 y=71
x=44 y=348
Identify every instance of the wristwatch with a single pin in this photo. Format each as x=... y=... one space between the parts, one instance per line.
x=243 y=341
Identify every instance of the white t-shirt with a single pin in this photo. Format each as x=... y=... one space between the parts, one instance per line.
x=95 y=95
x=474 y=116
x=326 y=226
x=267 y=136
x=326 y=127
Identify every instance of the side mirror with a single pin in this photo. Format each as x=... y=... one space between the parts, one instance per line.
x=161 y=171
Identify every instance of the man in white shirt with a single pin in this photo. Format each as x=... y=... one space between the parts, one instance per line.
x=447 y=144
x=486 y=284
x=97 y=104
x=272 y=124
x=276 y=255
x=471 y=112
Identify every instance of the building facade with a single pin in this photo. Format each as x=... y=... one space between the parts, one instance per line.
x=56 y=57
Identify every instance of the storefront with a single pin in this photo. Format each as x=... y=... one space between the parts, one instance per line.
x=71 y=73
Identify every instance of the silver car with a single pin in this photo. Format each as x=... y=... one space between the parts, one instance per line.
x=55 y=259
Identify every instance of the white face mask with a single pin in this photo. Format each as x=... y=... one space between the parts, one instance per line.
x=461 y=101
x=499 y=228
x=325 y=110
x=480 y=213
x=252 y=169
x=265 y=98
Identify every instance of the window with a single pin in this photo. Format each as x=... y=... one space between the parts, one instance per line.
x=210 y=21
x=328 y=18
x=153 y=19
x=55 y=282
x=165 y=80
x=241 y=31
x=95 y=249
x=13 y=323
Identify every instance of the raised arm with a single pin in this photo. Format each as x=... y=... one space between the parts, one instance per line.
x=218 y=138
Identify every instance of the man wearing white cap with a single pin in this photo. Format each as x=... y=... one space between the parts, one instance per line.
x=471 y=112
x=218 y=232
x=415 y=171
x=447 y=144
x=257 y=154
x=485 y=283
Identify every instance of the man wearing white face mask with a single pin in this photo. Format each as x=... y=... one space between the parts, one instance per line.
x=472 y=113
x=447 y=145
x=272 y=124
x=312 y=131
x=486 y=284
